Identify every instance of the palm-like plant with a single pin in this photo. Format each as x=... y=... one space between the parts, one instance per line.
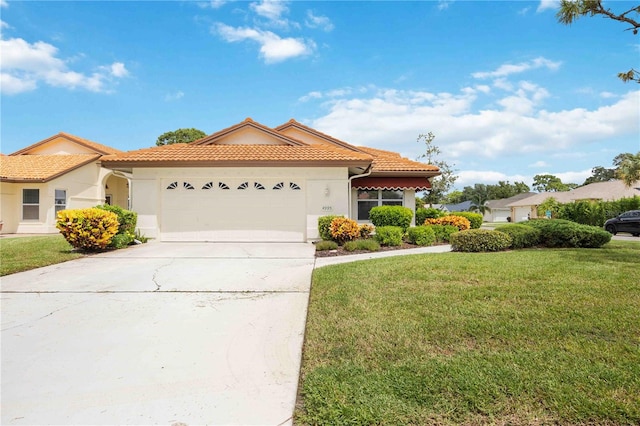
x=629 y=169
x=479 y=204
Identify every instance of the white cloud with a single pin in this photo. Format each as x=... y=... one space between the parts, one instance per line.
x=469 y=131
x=3 y=3
x=471 y=177
x=607 y=95
x=571 y=177
x=273 y=48
x=547 y=4
x=4 y=24
x=539 y=164
x=270 y=9
x=309 y=96
x=273 y=11
x=524 y=11
x=169 y=97
x=444 y=4
x=212 y=4
x=509 y=69
x=321 y=22
x=25 y=64
x=12 y=85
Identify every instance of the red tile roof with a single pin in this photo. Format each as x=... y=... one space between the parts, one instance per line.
x=209 y=152
x=205 y=155
x=40 y=168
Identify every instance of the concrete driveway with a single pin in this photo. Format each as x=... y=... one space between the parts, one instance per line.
x=163 y=333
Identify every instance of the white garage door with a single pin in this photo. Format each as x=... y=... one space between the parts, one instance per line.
x=232 y=210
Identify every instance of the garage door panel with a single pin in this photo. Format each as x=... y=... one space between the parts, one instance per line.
x=250 y=214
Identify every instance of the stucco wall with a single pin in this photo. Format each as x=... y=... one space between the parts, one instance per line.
x=325 y=190
x=83 y=189
x=60 y=146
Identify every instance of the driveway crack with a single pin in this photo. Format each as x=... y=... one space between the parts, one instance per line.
x=154 y=278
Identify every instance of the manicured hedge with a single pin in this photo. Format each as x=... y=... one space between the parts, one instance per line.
x=127 y=228
x=476 y=219
x=480 y=240
x=326 y=245
x=389 y=235
x=369 y=245
x=596 y=213
x=443 y=232
x=324 y=226
x=391 y=216
x=522 y=236
x=421 y=235
x=422 y=214
x=564 y=233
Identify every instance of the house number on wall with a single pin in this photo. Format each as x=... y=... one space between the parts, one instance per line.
x=327 y=208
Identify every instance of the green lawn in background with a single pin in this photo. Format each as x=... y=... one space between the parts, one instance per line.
x=523 y=337
x=24 y=253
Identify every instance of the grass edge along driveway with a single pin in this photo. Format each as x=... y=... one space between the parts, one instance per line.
x=25 y=253
x=520 y=337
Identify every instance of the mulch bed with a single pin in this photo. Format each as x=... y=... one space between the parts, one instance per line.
x=342 y=252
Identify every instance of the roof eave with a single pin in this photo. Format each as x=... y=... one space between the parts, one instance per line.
x=50 y=177
x=113 y=164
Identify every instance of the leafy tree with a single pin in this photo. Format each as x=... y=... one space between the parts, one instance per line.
x=440 y=185
x=505 y=190
x=453 y=197
x=629 y=168
x=551 y=183
x=180 y=136
x=600 y=174
x=571 y=10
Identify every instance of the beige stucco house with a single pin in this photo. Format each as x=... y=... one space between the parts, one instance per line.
x=57 y=173
x=600 y=191
x=250 y=182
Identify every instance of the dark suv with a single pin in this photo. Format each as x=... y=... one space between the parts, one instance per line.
x=626 y=222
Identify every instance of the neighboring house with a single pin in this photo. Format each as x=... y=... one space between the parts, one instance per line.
x=460 y=207
x=599 y=191
x=60 y=172
x=500 y=210
x=250 y=182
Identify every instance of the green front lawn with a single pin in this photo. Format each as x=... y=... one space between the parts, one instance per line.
x=521 y=337
x=24 y=253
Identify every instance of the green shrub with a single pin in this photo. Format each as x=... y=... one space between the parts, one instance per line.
x=369 y=245
x=87 y=229
x=476 y=219
x=480 y=240
x=423 y=214
x=344 y=229
x=391 y=216
x=443 y=232
x=389 y=235
x=596 y=213
x=421 y=235
x=326 y=245
x=324 y=226
x=522 y=236
x=564 y=233
x=127 y=229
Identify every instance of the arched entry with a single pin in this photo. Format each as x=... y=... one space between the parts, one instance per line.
x=116 y=191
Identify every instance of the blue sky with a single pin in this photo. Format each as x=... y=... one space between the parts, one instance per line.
x=508 y=91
